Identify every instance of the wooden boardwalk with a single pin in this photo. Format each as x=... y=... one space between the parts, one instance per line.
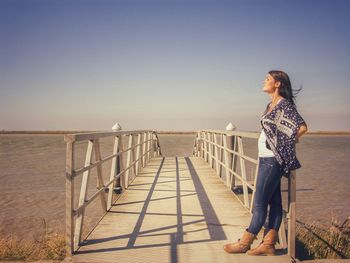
x=176 y=210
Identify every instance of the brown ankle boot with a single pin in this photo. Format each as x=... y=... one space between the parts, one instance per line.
x=243 y=244
x=264 y=234
x=267 y=246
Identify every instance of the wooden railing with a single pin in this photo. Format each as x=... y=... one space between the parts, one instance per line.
x=222 y=150
x=141 y=147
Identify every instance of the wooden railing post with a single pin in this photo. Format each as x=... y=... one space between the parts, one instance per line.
x=229 y=143
x=120 y=164
x=159 y=152
x=69 y=199
x=138 y=153
x=153 y=145
x=206 y=151
x=291 y=213
x=146 y=148
x=133 y=154
x=255 y=180
x=221 y=154
x=195 y=146
x=199 y=145
x=216 y=153
x=128 y=161
x=148 y=145
x=210 y=149
x=143 y=147
x=114 y=172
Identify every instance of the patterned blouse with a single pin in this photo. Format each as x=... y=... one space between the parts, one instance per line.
x=281 y=128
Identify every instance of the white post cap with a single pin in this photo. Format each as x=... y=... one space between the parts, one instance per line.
x=230 y=127
x=116 y=127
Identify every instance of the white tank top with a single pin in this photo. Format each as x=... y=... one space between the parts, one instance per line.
x=263 y=151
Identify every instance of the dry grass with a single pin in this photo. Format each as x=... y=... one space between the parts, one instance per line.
x=324 y=243
x=50 y=246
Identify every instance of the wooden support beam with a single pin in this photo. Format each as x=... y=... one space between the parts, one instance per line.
x=243 y=172
x=83 y=192
x=113 y=173
x=100 y=183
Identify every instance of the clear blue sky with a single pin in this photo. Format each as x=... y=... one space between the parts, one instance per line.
x=169 y=65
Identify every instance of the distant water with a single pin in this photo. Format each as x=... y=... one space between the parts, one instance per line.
x=32 y=180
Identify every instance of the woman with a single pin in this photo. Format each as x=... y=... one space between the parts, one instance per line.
x=282 y=125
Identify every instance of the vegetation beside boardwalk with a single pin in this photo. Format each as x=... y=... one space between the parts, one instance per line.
x=317 y=242
x=50 y=247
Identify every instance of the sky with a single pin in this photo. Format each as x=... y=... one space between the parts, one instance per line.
x=170 y=65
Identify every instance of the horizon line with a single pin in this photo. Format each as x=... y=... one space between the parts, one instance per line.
x=324 y=132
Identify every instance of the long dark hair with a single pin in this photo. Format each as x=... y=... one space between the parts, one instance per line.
x=285 y=90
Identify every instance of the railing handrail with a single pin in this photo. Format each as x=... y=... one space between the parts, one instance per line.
x=85 y=136
x=206 y=146
x=246 y=134
x=145 y=149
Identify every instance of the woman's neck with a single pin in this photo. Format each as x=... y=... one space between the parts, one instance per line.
x=275 y=98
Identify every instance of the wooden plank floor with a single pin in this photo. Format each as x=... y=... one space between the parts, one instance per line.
x=176 y=210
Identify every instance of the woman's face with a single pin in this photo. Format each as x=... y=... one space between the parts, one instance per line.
x=270 y=84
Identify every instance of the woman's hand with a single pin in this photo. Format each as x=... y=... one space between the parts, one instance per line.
x=301 y=131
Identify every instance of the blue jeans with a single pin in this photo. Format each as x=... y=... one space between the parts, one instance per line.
x=267 y=192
